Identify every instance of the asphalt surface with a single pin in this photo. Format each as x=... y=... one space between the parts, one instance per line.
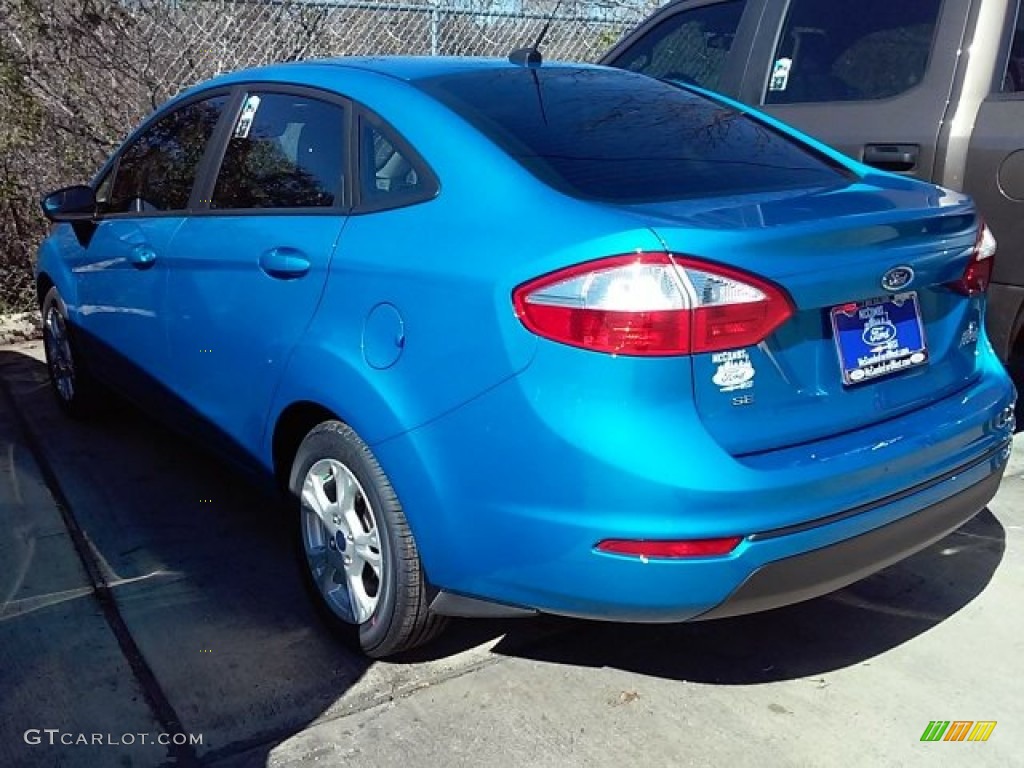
x=146 y=588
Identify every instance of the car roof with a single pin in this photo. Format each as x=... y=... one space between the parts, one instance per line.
x=407 y=68
x=323 y=72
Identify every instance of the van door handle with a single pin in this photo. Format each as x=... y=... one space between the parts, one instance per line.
x=900 y=158
x=284 y=263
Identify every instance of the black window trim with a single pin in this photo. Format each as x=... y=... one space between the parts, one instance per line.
x=216 y=148
x=113 y=164
x=431 y=186
x=206 y=183
x=780 y=28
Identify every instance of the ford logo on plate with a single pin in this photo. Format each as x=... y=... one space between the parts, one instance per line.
x=879 y=334
x=897 y=278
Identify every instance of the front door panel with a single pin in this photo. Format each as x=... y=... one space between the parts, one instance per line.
x=121 y=281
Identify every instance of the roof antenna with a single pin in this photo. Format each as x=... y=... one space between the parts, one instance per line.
x=530 y=57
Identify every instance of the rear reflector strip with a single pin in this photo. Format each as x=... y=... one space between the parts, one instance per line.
x=670 y=549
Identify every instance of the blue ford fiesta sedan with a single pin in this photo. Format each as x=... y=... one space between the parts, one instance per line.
x=549 y=338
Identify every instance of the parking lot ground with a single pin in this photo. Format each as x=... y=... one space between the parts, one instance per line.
x=174 y=602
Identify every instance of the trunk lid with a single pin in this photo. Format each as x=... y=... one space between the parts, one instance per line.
x=832 y=248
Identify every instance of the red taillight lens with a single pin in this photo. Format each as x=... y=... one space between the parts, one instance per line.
x=670 y=549
x=978 y=274
x=651 y=304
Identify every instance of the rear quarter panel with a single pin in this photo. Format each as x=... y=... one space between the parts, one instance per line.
x=430 y=284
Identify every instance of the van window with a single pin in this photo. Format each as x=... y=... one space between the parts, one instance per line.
x=831 y=52
x=1013 y=82
x=691 y=46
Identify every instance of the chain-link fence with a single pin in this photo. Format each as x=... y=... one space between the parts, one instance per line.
x=76 y=75
x=198 y=39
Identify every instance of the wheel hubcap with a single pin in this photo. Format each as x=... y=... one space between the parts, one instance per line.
x=341 y=541
x=58 y=353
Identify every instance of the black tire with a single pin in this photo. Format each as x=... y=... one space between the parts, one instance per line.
x=401 y=619
x=1015 y=366
x=76 y=390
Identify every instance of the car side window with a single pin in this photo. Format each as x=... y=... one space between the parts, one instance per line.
x=390 y=175
x=285 y=151
x=1013 y=81
x=156 y=172
x=690 y=46
x=831 y=52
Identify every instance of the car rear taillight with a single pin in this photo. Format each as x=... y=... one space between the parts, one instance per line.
x=978 y=274
x=651 y=304
x=670 y=549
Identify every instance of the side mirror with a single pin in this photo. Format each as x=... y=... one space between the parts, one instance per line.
x=77 y=203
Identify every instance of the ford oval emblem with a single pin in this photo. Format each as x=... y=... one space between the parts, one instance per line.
x=897 y=278
x=882 y=333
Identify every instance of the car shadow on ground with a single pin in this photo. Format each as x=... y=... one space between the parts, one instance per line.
x=840 y=630
x=198 y=557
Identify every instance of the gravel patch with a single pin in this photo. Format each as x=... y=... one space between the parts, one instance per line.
x=21 y=326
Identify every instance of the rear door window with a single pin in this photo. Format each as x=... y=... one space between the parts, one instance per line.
x=832 y=51
x=285 y=151
x=608 y=135
x=691 y=46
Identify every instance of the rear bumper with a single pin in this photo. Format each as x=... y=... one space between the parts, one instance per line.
x=820 y=571
x=509 y=495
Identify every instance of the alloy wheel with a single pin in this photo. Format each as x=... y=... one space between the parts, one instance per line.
x=341 y=541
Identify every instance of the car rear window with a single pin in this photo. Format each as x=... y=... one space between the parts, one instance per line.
x=624 y=138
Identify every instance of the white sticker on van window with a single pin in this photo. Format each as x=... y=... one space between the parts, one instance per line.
x=780 y=74
x=252 y=103
x=734 y=372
